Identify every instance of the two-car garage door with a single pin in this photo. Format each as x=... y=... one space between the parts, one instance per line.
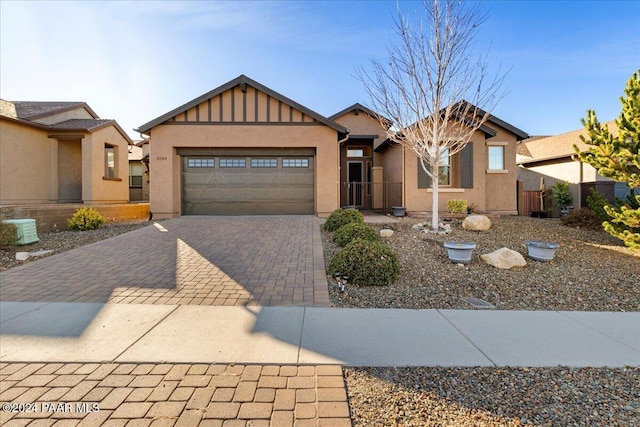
x=240 y=182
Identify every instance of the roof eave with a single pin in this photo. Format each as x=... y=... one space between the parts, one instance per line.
x=145 y=128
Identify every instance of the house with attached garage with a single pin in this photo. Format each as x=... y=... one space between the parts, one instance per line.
x=244 y=148
x=60 y=152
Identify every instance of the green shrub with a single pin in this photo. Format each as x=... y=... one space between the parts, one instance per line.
x=561 y=193
x=340 y=217
x=597 y=202
x=582 y=218
x=457 y=206
x=366 y=263
x=355 y=230
x=8 y=234
x=85 y=219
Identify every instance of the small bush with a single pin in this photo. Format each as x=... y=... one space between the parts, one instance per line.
x=340 y=217
x=85 y=219
x=354 y=230
x=8 y=234
x=366 y=263
x=582 y=218
x=457 y=206
x=597 y=202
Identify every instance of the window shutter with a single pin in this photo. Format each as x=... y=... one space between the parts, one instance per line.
x=466 y=166
x=424 y=180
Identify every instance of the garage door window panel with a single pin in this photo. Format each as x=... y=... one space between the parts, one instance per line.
x=233 y=163
x=264 y=163
x=201 y=163
x=295 y=163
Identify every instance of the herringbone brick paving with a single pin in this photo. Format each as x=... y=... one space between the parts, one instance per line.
x=172 y=395
x=257 y=260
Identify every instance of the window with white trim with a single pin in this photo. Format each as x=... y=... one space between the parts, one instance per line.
x=496 y=157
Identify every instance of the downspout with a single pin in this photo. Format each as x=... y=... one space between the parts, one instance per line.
x=340 y=141
x=576 y=158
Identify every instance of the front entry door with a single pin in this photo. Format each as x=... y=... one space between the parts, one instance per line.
x=354 y=183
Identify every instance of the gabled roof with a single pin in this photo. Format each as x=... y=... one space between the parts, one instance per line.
x=557 y=146
x=242 y=79
x=32 y=110
x=27 y=111
x=357 y=107
x=519 y=133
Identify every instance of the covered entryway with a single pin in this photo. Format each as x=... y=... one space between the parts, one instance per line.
x=247 y=182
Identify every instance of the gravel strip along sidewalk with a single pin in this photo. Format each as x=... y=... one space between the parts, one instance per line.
x=427 y=397
x=591 y=270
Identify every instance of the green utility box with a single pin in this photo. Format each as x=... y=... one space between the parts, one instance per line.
x=26 y=229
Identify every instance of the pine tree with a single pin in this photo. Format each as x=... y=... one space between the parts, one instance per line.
x=618 y=157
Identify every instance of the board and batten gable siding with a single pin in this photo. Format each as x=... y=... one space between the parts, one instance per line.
x=243 y=106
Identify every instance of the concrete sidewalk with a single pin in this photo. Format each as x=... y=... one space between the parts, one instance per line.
x=142 y=333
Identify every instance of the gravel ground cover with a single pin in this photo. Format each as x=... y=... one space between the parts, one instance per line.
x=61 y=241
x=486 y=397
x=591 y=271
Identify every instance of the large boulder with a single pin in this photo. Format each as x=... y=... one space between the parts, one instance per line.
x=504 y=258
x=476 y=223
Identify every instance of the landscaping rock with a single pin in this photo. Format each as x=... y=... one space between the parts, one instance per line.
x=386 y=233
x=476 y=223
x=504 y=258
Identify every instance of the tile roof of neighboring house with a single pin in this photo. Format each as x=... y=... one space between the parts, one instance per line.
x=135 y=153
x=38 y=109
x=241 y=79
x=522 y=149
x=557 y=146
x=84 y=124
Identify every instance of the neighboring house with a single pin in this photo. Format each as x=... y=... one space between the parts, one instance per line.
x=138 y=171
x=60 y=152
x=243 y=148
x=552 y=159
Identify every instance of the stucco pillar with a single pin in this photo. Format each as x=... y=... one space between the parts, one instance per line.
x=378 y=187
x=53 y=172
x=87 y=169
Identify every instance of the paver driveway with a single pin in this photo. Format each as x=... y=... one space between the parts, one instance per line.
x=261 y=260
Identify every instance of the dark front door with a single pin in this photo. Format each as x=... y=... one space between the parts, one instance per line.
x=354 y=183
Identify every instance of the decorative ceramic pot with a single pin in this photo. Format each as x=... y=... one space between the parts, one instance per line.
x=460 y=252
x=541 y=251
x=399 y=210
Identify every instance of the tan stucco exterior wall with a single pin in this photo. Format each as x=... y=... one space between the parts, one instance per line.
x=27 y=165
x=491 y=192
x=96 y=188
x=31 y=167
x=165 y=189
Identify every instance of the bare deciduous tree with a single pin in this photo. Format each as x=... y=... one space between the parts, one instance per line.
x=433 y=86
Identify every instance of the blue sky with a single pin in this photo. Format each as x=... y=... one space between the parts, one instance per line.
x=133 y=61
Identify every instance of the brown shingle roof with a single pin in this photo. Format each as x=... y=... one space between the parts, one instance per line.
x=86 y=124
x=37 y=109
x=558 y=146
